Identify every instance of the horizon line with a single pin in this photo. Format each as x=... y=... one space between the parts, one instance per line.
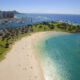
x=49 y=13
x=41 y=12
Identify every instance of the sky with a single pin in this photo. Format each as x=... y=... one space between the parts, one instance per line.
x=42 y=6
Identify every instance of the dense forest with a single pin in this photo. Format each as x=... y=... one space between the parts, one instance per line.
x=9 y=35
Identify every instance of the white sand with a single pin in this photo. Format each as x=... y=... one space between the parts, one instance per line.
x=21 y=63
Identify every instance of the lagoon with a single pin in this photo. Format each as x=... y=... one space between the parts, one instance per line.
x=60 y=56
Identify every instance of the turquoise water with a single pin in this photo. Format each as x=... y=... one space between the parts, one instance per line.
x=60 y=56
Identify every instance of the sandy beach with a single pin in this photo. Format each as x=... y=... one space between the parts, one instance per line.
x=21 y=62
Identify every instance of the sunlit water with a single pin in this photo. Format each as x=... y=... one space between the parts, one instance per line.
x=38 y=18
x=60 y=56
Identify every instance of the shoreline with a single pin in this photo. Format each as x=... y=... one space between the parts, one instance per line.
x=44 y=59
x=9 y=35
x=20 y=60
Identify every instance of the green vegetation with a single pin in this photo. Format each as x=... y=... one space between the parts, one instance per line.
x=9 y=35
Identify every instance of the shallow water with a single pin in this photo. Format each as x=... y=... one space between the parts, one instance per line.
x=60 y=56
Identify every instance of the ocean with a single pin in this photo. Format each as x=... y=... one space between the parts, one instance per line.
x=38 y=18
x=59 y=55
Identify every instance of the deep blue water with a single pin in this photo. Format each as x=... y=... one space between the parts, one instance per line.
x=60 y=56
x=37 y=18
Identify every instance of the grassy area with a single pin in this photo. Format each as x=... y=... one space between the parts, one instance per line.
x=3 y=50
x=13 y=34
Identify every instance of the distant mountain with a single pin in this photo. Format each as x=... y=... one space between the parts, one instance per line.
x=15 y=12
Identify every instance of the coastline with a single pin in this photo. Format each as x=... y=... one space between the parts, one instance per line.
x=21 y=62
x=48 y=67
